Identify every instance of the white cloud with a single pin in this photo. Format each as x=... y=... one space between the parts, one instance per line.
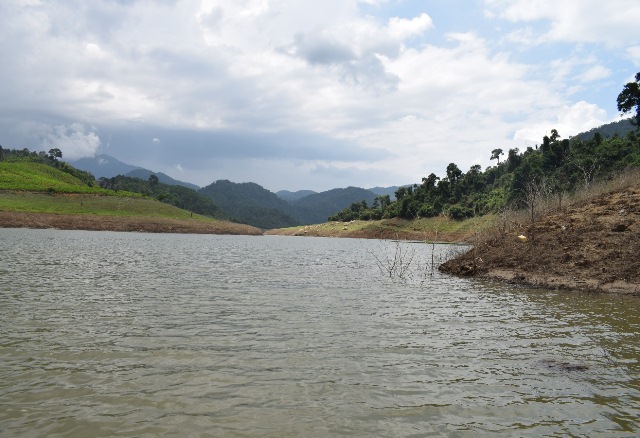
x=574 y=119
x=402 y=28
x=595 y=73
x=296 y=80
x=75 y=140
x=614 y=22
x=633 y=53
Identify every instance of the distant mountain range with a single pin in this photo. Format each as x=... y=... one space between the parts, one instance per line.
x=294 y=196
x=253 y=204
x=250 y=203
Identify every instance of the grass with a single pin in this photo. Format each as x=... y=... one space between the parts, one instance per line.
x=90 y=204
x=40 y=177
x=38 y=188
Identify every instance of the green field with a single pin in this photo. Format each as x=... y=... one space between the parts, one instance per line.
x=38 y=188
x=40 y=177
x=90 y=204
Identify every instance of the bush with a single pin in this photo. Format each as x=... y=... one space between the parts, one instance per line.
x=459 y=212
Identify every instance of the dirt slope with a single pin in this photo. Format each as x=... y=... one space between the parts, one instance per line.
x=593 y=246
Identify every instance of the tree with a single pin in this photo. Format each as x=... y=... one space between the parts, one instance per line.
x=153 y=180
x=55 y=153
x=495 y=154
x=453 y=173
x=629 y=99
x=535 y=190
x=430 y=181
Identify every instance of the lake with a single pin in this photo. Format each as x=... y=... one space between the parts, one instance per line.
x=145 y=335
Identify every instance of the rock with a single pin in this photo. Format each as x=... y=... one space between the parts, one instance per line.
x=618 y=228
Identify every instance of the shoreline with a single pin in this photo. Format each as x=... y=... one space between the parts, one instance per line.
x=142 y=224
x=590 y=246
x=555 y=279
x=555 y=282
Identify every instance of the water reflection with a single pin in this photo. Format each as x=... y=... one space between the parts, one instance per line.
x=130 y=334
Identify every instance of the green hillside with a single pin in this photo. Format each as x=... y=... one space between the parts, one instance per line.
x=250 y=203
x=35 y=187
x=32 y=176
x=90 y=204
x=176 y=195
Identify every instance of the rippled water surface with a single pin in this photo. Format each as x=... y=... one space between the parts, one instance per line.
x=126 y=334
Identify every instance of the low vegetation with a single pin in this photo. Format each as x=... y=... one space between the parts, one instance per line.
x=437 y=229
x=589 y=243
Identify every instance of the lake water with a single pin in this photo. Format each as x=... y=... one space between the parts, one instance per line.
x=127 y=334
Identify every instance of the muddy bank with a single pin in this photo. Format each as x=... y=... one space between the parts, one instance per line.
x=121 y=223
x=591 y=246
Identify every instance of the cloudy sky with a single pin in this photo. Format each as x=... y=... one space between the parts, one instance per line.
x=302 y=94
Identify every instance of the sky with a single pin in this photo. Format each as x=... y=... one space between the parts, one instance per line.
x=302 y=94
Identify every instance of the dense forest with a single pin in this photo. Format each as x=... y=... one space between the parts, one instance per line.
x=178 y=196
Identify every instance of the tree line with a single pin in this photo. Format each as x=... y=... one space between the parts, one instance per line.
x=178 y=196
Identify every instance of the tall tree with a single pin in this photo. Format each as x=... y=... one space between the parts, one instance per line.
x=55 y=153
x=629 y=99
x=495 y=154
x=153 y=180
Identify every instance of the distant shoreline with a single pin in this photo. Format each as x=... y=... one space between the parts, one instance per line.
x=94 y=222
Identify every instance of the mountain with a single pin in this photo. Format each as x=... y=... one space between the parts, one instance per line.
x=316 y=208
x=251 y=203
x=163 y=178
x=294 y=196
x=103 y=165
x=106 y=166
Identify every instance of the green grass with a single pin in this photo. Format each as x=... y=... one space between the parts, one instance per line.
x=40 y=177
x=90 y=204
x=38 y=188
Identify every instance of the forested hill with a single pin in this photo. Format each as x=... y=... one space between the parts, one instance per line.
x=316 y=208
x=251 y=203
x=294 y=196
x=620 y=128
x=176 y=195
x=162 y=177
